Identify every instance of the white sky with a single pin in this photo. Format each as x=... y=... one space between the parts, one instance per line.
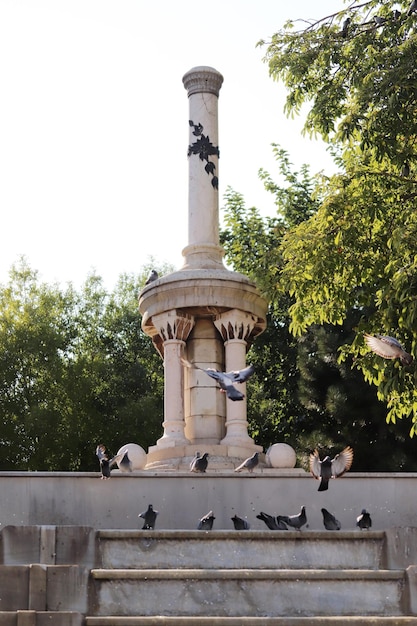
x=94 y=125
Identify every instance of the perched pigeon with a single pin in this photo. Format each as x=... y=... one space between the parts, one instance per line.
x=226 y=380
x=273 y=523
x=239 y=523
x=379 y=21
x=150 y=518
x=199 y=463
x=153 y=275
x=363 y=521
x=329 y=521
x=296 y=521
x=412 y=7
x=206 y=522
x=103 y=458
x=345 y=27
x=249 y=463
x=330 y=468
x=388 y=348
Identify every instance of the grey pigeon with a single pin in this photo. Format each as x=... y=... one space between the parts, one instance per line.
x=226 y=380
x=149 y=516
x=379 y=21
x=330 y=468
x=103 y=458
x=412 y=7
x=199 y=463
x=364 y=521
x=123 y=462
x=153 y=275
x=273 y=523
x=239 y=523
x=206 y=522
x=329 y=521
x=388 y=348
x=345 y=27
x=296 y=521
x=249 y=463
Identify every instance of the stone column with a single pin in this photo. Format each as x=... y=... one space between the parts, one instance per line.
x=235 y=327
x=203 y=250
x=173 y=327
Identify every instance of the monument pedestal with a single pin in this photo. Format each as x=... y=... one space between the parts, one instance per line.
x=221 y=457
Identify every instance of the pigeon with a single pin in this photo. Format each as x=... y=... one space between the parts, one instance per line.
x=388 y=348
x=199 y=463
x=271 y=522
x=363 y=521
x=379 y=21
x=226 y=380
x=123 y=462
x=329 y=521
x=330 y=468
x=103 y=458
x=206 y=522
x=405 y=170
x=149 y=516
x=296 y=521
x=412 y=7
x=239 y=523
x=249 y=463
x=345 y=27
x=153 y=275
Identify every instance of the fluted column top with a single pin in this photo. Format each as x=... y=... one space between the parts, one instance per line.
x=202 y=79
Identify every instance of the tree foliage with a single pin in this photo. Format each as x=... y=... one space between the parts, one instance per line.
x=76 y=369
x=355 y=72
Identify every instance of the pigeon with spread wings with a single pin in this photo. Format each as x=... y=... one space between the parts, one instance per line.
x=330 y=468
x=388 y=348
x=226 y=380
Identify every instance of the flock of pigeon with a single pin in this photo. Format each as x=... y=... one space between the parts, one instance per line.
x=322 y=470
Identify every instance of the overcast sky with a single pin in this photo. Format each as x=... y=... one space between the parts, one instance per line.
x=94 y=125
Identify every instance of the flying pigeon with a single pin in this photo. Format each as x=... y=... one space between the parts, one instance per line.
x=149 y=516
x=330 y=468
x=153 y=275
x=296 y=521
x=271 y=522
x=103 y=458
x=123 y=462
x=239 y=523
x=249 y=463
x=329 y=521
x=412 y=7
x=363 y=521
x=199 y=463
x=388 y=348
x=226 y=380
x=206 y=522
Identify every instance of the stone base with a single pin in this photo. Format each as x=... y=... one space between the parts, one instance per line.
x=221 y=457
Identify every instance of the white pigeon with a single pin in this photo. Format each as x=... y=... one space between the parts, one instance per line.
x=388 y=348
x=226 y=380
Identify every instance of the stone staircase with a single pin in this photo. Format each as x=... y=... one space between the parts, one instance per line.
x=76 y=576
x=250 y=577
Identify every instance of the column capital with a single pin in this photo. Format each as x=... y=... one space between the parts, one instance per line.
x=173 y=324
x=202 y=79
x=235 y=324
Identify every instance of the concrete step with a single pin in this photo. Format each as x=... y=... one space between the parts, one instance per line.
x=349 y=620
x=249 y=592
x=41 y=618
x=230 y=549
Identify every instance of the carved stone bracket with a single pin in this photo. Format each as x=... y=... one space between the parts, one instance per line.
x=235 y=324
x=173 y=325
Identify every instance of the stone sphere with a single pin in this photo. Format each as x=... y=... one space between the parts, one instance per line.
x=281 y=455
x=136 y=454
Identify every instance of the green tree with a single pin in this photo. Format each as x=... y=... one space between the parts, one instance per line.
x=76 y=370
x=357 y=252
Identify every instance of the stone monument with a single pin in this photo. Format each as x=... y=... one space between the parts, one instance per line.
x=203 y=312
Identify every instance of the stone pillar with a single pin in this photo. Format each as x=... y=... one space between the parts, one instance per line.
x=235 y=327
x=203 y=250
x=173 y=327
